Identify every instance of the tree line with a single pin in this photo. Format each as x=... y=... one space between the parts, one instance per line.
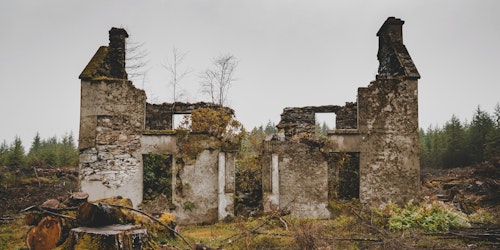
x=456 y=144
x=461 y=143
x=51 y=152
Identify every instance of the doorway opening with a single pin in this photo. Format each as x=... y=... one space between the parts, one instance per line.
x=343 y=176
x=157 y=181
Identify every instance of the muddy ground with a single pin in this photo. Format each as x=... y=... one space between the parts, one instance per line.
x=19 y=190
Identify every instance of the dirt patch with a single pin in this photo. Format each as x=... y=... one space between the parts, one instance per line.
x=26 y=189
x=469 y=189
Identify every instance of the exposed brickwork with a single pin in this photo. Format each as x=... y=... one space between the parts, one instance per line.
x=302 y=121
x=158 y=116
x=111 y=162
x=347 y=116
x=116 y=55
x=108 y=61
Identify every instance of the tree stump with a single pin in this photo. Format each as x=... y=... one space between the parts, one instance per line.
x=111 y=237
x=77 y=198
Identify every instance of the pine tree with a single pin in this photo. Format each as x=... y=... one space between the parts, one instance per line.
x=270 y=128
x=68 y=155
x=15 y=156
x=492 y=149
x=50 y=151
x=454 y=136
x=34 y=156
x=480 y=127
x=4 y=150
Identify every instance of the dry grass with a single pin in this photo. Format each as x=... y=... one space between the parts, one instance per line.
x=351 y=228
x=12 y=235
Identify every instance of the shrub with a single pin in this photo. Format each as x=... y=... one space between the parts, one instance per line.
x=435 y=216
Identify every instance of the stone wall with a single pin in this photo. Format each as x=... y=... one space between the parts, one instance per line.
x=347 y=116
x=203 y=177
x=295 y=178
x=118 y=127
x=381 y=128
x=158 y=116
x=111 y=125
x=388 y=114
x=302 y=121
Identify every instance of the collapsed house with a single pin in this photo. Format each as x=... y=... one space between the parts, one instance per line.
x=119 y=131
x=372 y=154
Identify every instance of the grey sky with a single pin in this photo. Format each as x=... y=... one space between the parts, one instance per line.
x=291 y=53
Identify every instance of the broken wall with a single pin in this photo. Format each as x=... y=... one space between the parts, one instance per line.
x=295 y=179
x=381 y=128
x=301 y=121
x=160 y=116
x=390 y=167
x=111 y=124
x=118 y=127
x=202 y=175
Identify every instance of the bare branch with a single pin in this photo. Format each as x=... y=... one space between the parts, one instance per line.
x=176 y=73
x=136 y=63
x=217 y=81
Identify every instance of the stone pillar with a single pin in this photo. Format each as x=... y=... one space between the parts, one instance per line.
x=272 y=200
x=226 y=193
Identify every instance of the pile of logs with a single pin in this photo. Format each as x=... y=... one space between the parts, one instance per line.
x=103 y=224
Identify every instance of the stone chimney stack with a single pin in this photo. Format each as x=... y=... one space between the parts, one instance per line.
x=392 y=29
x=116 y=54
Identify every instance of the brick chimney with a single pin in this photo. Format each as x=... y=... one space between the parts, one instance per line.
x=116 y=54
x=393 y=29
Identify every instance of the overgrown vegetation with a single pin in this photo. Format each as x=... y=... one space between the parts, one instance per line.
x=429 y=216
x=157 y=176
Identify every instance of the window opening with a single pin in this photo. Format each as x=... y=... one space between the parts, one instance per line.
x=324 y=122
x=181 y=121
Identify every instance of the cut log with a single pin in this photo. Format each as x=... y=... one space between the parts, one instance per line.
x=109 y=237
x=49 y=232
x=98 y=214
x=32 y=219
x=46 y=234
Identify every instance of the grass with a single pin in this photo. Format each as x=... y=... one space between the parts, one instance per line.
x=12 y=235
x=351 y=227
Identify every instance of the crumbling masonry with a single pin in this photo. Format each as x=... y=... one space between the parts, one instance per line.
x=374 y=145
x=371 y=155
x=118 y=129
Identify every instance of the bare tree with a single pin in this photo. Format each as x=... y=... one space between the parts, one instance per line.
x=176 y=73
x=216 y=81
x=136 y=63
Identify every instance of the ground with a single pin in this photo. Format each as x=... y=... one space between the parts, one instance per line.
x=475 y=191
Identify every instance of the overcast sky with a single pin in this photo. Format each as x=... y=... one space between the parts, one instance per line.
x=291 y=54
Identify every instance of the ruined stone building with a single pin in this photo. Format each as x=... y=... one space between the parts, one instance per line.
x=372 y=154
x=119 y=130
